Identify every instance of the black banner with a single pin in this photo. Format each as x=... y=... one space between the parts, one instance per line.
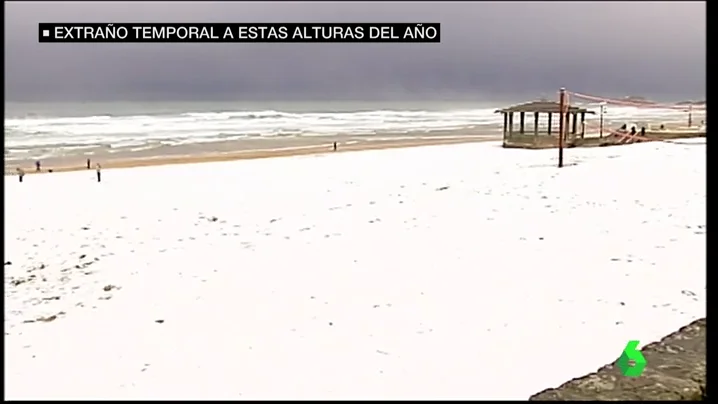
x=239 y=32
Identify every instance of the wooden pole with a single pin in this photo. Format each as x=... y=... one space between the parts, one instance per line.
x=690 y=116
x=600 y=129
x=561 y=119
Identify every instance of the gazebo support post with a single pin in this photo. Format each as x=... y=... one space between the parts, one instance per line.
x=506 y=124
x=511 y=124
x=550 y=115
x=574 y=129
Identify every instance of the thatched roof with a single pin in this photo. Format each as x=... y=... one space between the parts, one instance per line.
x=542 y=107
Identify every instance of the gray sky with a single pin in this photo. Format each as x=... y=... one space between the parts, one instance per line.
x=487 y=50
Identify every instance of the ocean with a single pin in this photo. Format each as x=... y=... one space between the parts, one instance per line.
x=39 y=131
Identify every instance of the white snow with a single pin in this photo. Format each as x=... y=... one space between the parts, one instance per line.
x=351 y=275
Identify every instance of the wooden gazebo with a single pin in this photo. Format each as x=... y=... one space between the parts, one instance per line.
x=552 y=109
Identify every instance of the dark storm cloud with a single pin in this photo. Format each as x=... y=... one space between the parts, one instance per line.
x=486 y=49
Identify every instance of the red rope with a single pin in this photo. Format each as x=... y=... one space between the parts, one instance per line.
x=638 y=104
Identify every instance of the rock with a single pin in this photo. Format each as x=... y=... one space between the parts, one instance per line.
x=48 y=319
x=676 y=370
x=159 y=321
x=8 y=262
x=17 y=282
x=109 y=288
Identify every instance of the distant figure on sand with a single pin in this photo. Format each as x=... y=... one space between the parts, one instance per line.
x=335 y=146
x=99 y=172
x=89 y=164
x=20 y=174
x=37 y=166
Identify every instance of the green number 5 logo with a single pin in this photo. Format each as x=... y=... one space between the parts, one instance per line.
x=632 y=362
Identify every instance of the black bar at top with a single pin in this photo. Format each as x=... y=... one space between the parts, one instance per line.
x=242 y=32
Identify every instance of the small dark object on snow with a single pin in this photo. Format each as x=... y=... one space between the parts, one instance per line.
x=47 y=319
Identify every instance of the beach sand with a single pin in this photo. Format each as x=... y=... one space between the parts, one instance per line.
x=227 y=151
x=438 y=272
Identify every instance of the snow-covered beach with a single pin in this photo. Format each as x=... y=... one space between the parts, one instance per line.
x=442 y=272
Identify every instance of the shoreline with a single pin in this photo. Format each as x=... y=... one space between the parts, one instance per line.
x=249 y=154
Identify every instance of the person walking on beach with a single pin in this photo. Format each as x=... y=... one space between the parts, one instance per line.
x=335 y=146
x=89 y=164
x=37 y=166
x=98 y=168
x=20 y=174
